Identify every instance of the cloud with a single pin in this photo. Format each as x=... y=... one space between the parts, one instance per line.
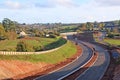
x=44 y=4
x=56 y=3
x=12 y=5
x=65 y=3
x=9 y=4
x=108 y=2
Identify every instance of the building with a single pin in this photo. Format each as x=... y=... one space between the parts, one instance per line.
x=95 y=26
x=109 y=25
x=22 y=34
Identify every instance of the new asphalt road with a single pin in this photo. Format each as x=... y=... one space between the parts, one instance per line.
x=98 y=69
x=86 y=55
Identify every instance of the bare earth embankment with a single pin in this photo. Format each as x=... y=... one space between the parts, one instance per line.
x=15 y=69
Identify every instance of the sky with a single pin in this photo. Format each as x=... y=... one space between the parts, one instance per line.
x=54 y=11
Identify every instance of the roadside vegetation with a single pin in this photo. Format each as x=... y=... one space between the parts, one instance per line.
x=31 y=44
x=113 y=41
x=61 y=54
x=22 y=38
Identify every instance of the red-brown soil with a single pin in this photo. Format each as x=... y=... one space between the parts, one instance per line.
x=13 y=68
x=56 y=66
x=27 y=70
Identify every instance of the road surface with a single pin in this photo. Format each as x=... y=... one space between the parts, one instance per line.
x=86 y=55
x=98 y=69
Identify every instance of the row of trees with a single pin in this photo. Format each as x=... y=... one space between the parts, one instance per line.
x=9 y=30
x=42 y=33
x=91 y=26
x=99 y=26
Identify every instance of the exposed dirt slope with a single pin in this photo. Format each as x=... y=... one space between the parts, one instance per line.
x=10 y=69
x=28 y=71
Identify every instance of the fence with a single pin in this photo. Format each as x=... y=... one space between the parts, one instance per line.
x=26 y=53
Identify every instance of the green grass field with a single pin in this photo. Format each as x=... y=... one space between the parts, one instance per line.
x=68 y=29
x=10 y=45
x=113 y=41
x=61 y=54
x=58 y=43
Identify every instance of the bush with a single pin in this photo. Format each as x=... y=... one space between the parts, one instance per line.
x=24 y=47
x=21 y=47
x=110 y=36
x=39 y=48
x=52 y=36
x=2 y=38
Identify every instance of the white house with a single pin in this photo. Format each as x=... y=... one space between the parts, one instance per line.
x=22 y=34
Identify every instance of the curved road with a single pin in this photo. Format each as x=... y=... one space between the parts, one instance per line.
x=95 y=72
x=98 y=69
x=86 y=55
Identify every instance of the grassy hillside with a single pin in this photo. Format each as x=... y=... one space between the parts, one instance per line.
x=113 y=41
x=61 y=54
x=10 y=45
x=71 y=28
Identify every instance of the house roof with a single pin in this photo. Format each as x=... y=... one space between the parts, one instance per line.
x=22 y=33
x=109 y=24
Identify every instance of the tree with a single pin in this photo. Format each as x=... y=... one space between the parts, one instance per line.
x=101 y=25
x=119 y=23
x=88 y=25
x=56 y=32
x=12 y=25
x=8 y=24
x=21 y=47
x=42 y=34
x=2 y=32
x=83 y=27
x=24 y=47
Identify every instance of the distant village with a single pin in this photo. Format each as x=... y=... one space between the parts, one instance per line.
x=53 y=29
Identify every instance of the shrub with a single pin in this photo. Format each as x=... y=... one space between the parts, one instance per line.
x=21 y=47
x=52 y=36
x=24 y=47
x=110 y=36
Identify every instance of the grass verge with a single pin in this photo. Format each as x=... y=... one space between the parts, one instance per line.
x=10 y=45
x=61 y=54
x=113 y=41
